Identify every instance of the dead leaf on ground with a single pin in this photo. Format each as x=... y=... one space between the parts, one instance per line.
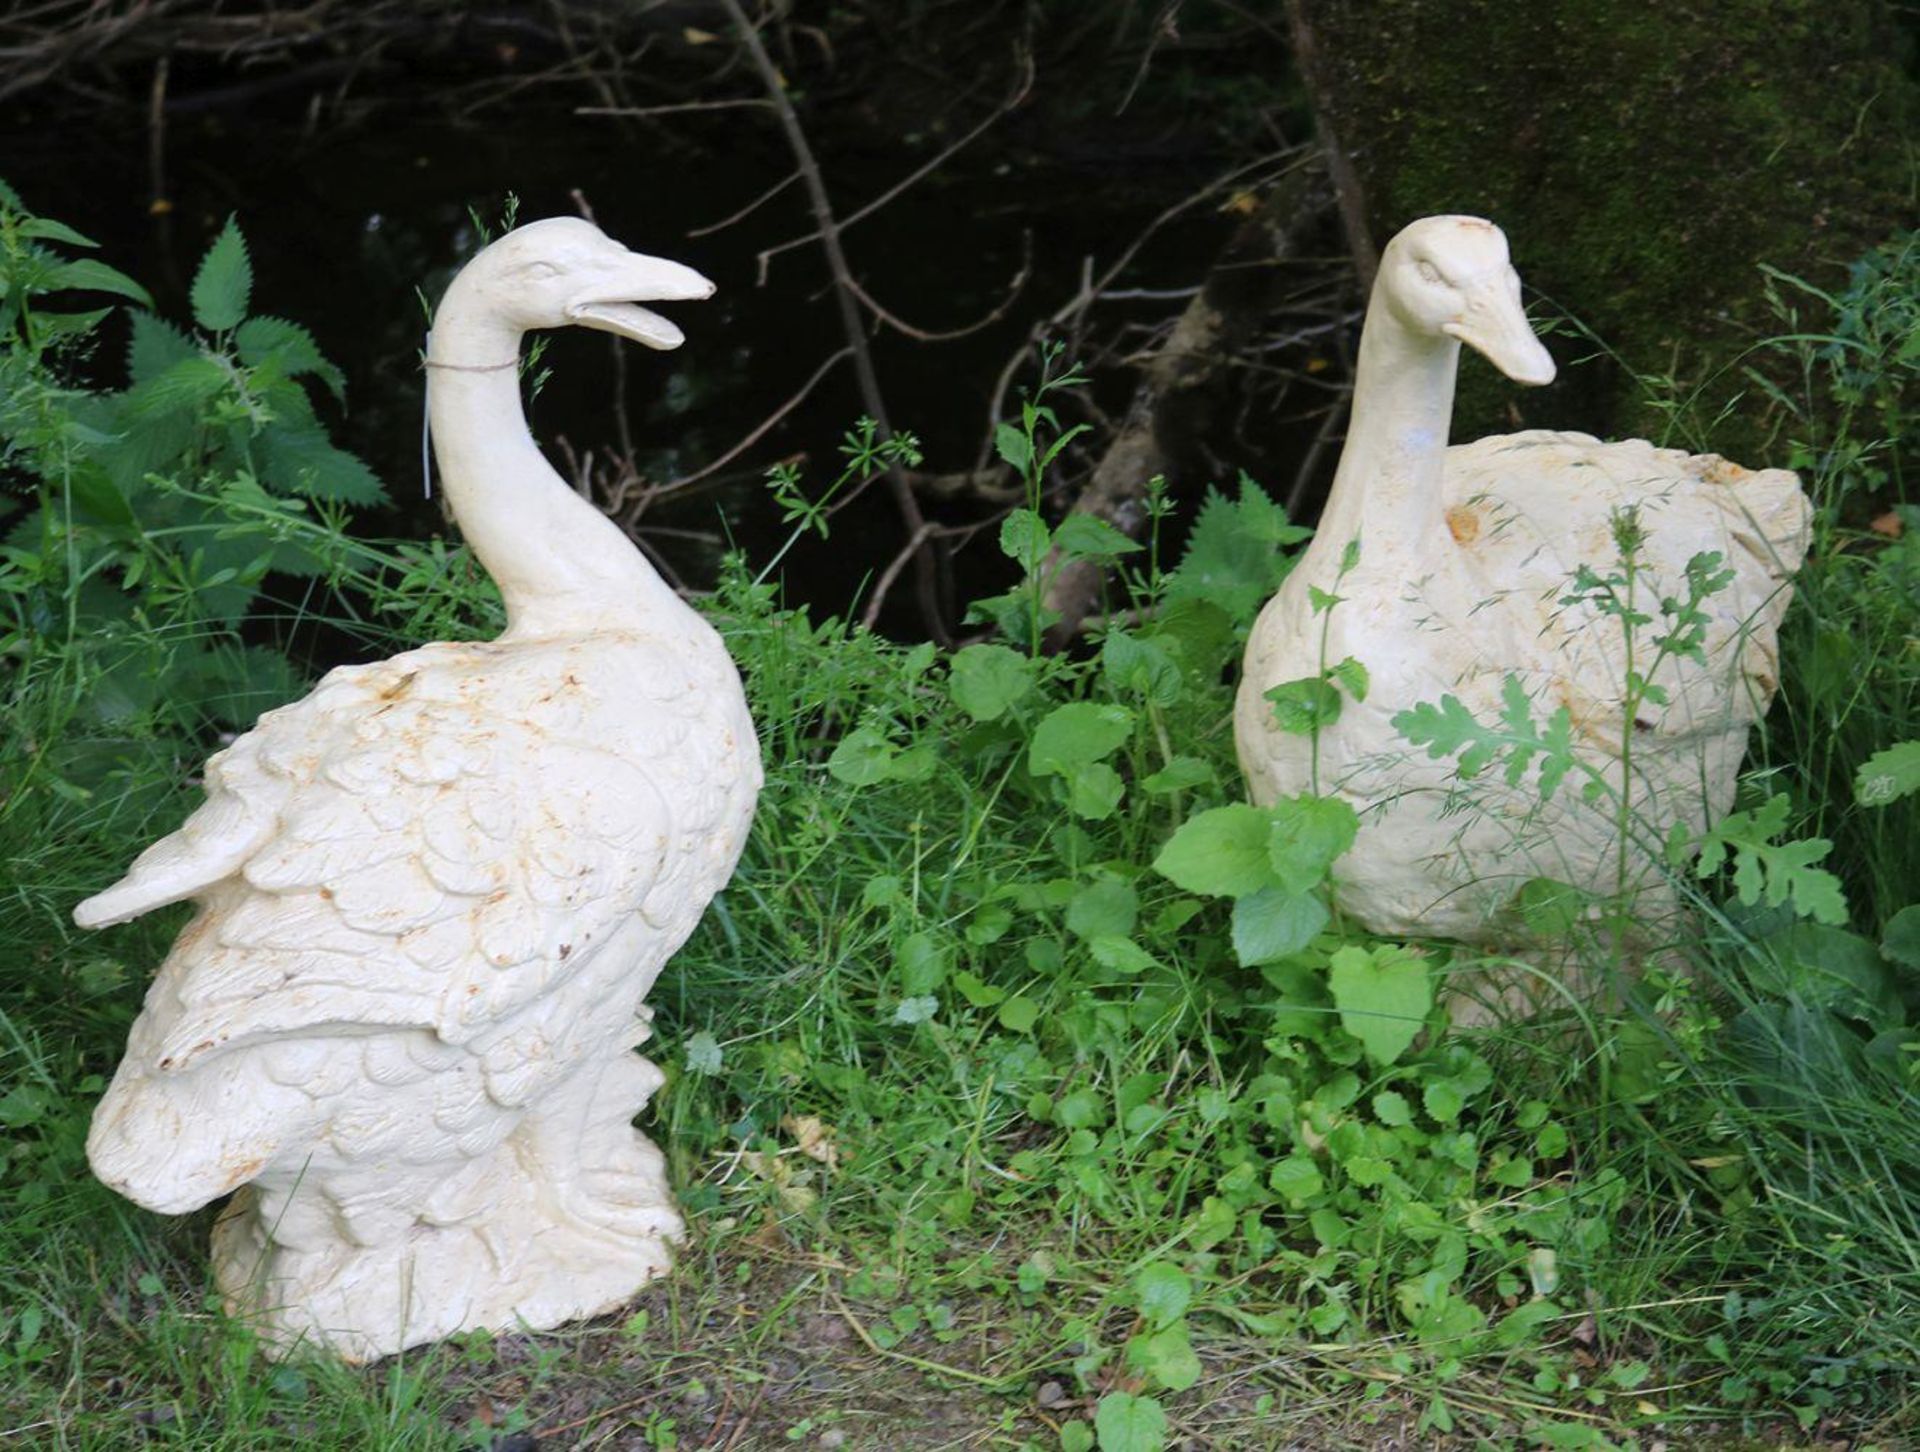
x=815 y=1138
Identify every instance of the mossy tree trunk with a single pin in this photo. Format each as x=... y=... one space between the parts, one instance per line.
x=1644 y=159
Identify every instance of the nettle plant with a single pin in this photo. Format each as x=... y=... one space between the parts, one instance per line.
x=156 y=512
x=150 y=523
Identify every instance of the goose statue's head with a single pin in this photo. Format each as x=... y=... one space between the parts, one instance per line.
x=565 y=272
x=1450 y=277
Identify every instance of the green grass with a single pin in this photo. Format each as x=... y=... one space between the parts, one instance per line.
x=1085 y=1166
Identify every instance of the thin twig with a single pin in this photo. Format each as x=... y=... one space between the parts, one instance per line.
x=1014 y=289
x=760 y=429
x=744 y=101
x=1346 y=181
x=918 y=174
x=749 y=209
x=1091 y=290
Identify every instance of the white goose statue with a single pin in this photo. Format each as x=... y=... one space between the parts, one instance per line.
x=433 y=894
x=1464 y=556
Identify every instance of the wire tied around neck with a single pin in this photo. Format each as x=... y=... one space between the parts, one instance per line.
x=473 y=367
x=426 y=457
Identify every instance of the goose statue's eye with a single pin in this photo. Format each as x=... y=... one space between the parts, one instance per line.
x=1429 y=273
x=539 y=271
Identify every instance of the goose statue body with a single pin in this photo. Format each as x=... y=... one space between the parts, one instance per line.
x=433 y=895
x=1465 y=557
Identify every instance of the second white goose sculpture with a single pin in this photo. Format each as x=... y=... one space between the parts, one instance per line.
x=433 y=894
x=1464 y=557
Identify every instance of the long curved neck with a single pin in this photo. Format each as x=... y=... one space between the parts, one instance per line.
x=562 y=566
x=1387 y=488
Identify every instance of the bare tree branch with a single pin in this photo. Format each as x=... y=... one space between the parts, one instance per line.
x=918 y=174
x=926 y=578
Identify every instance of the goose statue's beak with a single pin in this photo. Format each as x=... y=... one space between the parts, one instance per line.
x=610 y=304
x=1495 y=326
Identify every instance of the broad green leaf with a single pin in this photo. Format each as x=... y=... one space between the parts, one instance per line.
x=1351 y=677
x=1163 y=1292
x=1107 y=908
x=1273 y=923
x=1135 y=664
x=1080 y=1109
x=1888 y=775
x=54 y=326
x=1571 y=1437
x=1221 y=852
x=1019 y=1015
x=1304 y=706
x=87 y=274
x=1122 y=955
x=986 y=680
x=1900 y=941
x=1296 y=1179
x=1308 y=833
x=1548 y=908
x=1198 y=634
x=1024 y=539
x=1012 y=445
x=862 y=758
x=1077 y=733
x=922 y=965
x=45 y=229
x=1524 y=1324
x=1085 y=536
x=1383 y=995
x=1391 y=1108
x=989 y=924
x=1442 y=1100
x=223 y=284
x=977 y=991
x=1839 y=971
x=1127 y=1423
x=1094 y=791
x=1167 y=1356
x=1179 y=774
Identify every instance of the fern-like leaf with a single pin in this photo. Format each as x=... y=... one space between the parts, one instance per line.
x=1888 y=775
x=1450 y=729
x=1784 y=873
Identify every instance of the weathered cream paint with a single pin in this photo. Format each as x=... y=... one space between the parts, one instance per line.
x=1464 y=556
x=433 y=894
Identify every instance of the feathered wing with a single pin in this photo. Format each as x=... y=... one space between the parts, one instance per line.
x=434 y=842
